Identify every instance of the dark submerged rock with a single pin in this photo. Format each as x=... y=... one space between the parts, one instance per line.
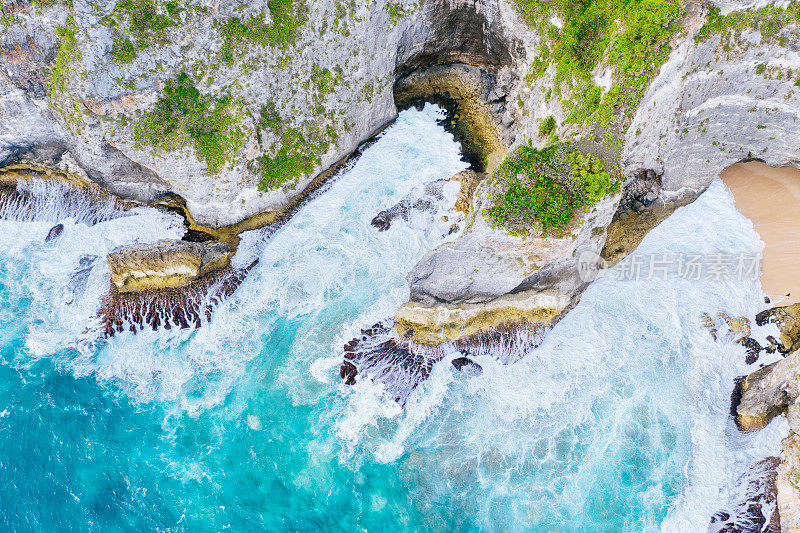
x=378 y=354
x=467 y=365
x=54 y=232
x=753 y=508
x=753 y=349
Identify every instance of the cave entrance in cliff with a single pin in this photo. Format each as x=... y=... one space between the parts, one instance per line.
x=454 y=60
x=770 y=198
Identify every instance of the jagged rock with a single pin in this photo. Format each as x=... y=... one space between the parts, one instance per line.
x=448 y=323
x=378 y=354
x=755 y=494
x=753 y=349
x=788 y=321
x=184 y=307
x=423 y=201
x=787 y=485
x=54 y=232
x=469 y=180
x=167 y=264
x=467 y=365
x=767 y=392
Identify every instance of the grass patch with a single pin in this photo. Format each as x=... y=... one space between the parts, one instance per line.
x=631 y=35
x=124 y=50
x=547 y=126
x=769 y=21
x=288 y=16
x=182 y=113
x=543 y=189
x=299 y=149
x=69 y=54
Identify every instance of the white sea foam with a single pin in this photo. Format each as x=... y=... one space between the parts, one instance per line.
x=53 y=201
x=315 y=276
x=618 y=418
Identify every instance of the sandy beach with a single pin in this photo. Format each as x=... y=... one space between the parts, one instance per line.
x=770 y=197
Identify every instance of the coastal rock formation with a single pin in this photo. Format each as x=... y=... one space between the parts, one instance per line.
x=423 y=201
x=379 y=355
x=185 y=307
x=754 y=506
x=787 y=483
x=168 y=264
x=770 y=390
x=787 y=319
x=90 y=88
x=773 y=390
x=767 y=392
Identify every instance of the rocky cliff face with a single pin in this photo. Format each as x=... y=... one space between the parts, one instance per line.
x=274 y=91
x=727 y=92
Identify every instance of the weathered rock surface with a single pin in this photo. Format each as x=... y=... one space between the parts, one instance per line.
x=716 y=103
x=377 y=354
x=433 y=325
x=767 y=392
x=787 y=484
x=753 y=509
x=345 y=63
x=186 y=307
x=423 y=201
x=167 y=264
x=788 y=321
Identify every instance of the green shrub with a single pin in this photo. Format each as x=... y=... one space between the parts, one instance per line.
x=68 y=55
x=543 y=189
x=147 y=25
x=769 y=21
x=633 y=34
x=183 y=111
x=287 y=17
x=124 y=50
x=547 y=126
x=298 y=152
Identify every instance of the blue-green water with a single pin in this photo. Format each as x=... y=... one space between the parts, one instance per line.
x=617 y=422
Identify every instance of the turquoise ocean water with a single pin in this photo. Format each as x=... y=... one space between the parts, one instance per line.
x=617 y=422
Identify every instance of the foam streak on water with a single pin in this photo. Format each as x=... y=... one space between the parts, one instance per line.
x=617 y=422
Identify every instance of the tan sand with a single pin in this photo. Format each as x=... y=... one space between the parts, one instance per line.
x=770 y=197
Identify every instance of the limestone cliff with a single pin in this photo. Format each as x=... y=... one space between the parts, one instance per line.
x=234 y=106
x=727 y=92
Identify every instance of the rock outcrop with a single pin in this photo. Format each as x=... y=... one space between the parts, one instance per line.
x=769 y=392
x=287 y=79
x=753 y=508
x=787 y=483
x=788 y=321
x=168 y=264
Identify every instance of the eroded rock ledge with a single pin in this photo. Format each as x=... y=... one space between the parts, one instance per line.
x=475 y=102
x=167 y=264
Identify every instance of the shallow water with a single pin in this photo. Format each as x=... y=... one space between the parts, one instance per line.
x=618 y=422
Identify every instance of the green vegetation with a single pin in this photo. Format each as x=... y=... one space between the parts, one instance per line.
x=547 y=126
x=287 y=17
x=297 y=154
x=396 y=12
x=182 y=113
x=631 y=35
x=68 y=55
x=543 y=189
x=769 y=21
x=124 y=51
x=148 y=23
